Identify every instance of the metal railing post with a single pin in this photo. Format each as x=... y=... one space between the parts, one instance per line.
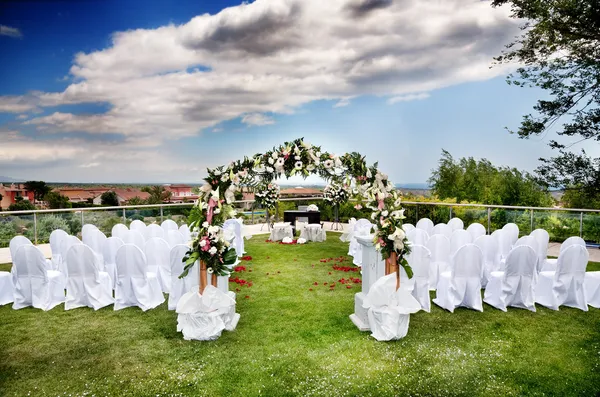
x=450 y=214
x=161 y=214
x=531 y=227
x=416 y=214
x=82 y=221
x=489 y=210
x=277 y=211
x=124 y=217
x=581 y=224
x=35 y=227
x=252 y=219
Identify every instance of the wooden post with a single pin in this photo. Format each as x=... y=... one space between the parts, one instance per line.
x=213 y=280
x=391 y=266
x=203 y=278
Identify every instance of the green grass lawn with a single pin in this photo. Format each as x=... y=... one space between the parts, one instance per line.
x=294 y=341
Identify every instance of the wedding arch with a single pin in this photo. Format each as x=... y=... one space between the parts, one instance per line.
x=366 y=183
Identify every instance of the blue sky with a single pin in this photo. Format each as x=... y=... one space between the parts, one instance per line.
x=156 y=91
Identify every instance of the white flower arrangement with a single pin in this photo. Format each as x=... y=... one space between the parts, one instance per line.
x=336 y=193
x=287 y=240
x=267 y=195
x=312 y=207
x=301 y=241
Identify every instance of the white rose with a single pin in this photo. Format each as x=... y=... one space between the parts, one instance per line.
x=385 y=213
x=270 y=169
x=202 y=243
x=212 y=250
x=205 y=224
x=274 y=156
x=297 y=157
x=271 y=160
x=217 y=210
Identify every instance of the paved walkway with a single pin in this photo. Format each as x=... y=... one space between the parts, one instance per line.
x=553 y=248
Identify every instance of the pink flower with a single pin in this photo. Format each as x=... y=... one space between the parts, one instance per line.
x=358 y=206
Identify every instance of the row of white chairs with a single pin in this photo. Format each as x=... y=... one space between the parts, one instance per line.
x=136 y=283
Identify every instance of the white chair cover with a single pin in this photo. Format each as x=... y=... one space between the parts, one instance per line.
x=591 y=285
x=119 y=230
x=504 y=243
x=418 y=237
x=153 y=230
x=456 y=224
x=180 y=286
x=185 y=232
x=95 y=239
x=158 y=257
x=56 y=237
x=135 y=286
x=550 y=264
x=347 y=235
x=407 y=227
x=138 y=226
x=461 y=286
x=85 y=229
x=565 y=285
x=65 y=245
x=513 y=232
x=491 y=256
x=514 y=286
x=542 y=238
x=235 y=227
x=459 y=239
x=204 y=317
x=7 y=288
x=443 y=229
x=281 y=231
x=15 y=243
x=313 y=232
x=169 y=224
x=35 y=285
x=362 y=227
x=529 y=242
x=174 y=237
x=388 y=309
x=419 y=260
x=425 y=224
x=136 y=238
x=476 y=230
x=439 y=247
x=87 y=285
x=111 y=246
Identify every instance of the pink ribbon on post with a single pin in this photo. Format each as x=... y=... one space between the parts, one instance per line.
x=209 y=213
x=381 y=205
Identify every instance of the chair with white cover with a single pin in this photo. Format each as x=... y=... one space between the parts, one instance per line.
x=461 y=286
x=153 y=230
x=459 y=239
x=407 y=227
x=313 y=232
x=138 y=226
x=419 y=260
x=504 y=242
x=56 y=238
x=65 y=245
x=235 y=228
x=515 y=285
x=550 y=264
x=136 y=238
x=95 y=239
x=109 y=252
x=591 y=285
x=528 y=241
x=425 y=224
x=87 y=285
x=15 y=243
x=119 y=230
x=513 y=231
x=280 y=231
x=185 y=232
x=135 y=285
x=491 y=256
x=86 y=228
x=35 y=285
x=158 y=261
x=542 y=238
x=174 y=237
x=456 y=224
x=362 y=227
x=442 y=228
x=169 y=224
x=439 y=247
x=418 y=237
x=7 y=288
x=565 y=285
x=180 y=286
x=476 y=230
x=349 y=232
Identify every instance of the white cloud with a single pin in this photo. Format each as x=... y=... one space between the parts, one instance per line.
x=408 y=97
x=89 y=165
x=17 y=104
x=10 y=32
x=22 y=117
x=257 y=119
x=342 y=103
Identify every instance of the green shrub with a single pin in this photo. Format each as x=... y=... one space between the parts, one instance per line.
x=45 y=226
x=8 y=230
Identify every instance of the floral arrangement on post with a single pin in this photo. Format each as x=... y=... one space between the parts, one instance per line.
x=267 y=195
x=312 y=207
x=336 y=193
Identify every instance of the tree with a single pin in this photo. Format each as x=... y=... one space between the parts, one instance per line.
x=158 y=194
x=39 y=189
x=560 y=51
x=135 y=201
x=21 y=205
x=109 y=198
x=480 y=181
x=56 y=200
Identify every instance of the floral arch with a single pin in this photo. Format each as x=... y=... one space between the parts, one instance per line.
x=366 y=183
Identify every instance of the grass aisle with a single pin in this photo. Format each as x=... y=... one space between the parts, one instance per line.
x=293 y=341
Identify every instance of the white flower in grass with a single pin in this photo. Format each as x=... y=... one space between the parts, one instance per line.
x=210 y=269
x=298 y=165
x=212 y=250
x=328 y=164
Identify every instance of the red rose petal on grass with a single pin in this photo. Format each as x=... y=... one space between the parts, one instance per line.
x=250 y=270
x=315 y=283
x=278 y=272
x=348 y=286
x=247 y=296
x=268 y=257
x=310 y=289
x=330 y=273
x=237 y=290
x=267 y=274
x=325 y=283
